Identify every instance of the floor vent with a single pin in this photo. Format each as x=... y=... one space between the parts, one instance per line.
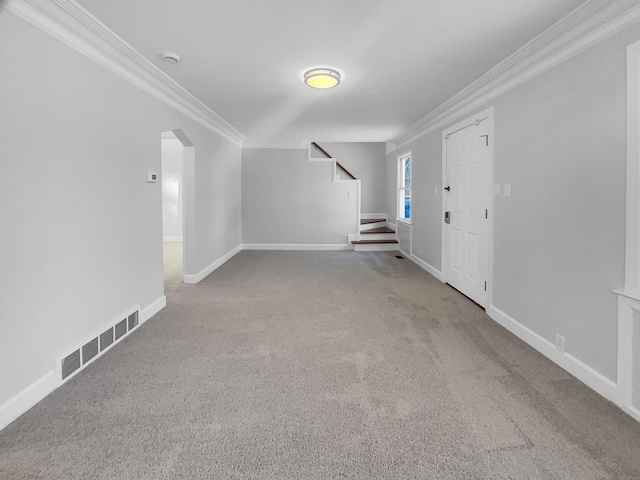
x=400 y=257
x=81 y=355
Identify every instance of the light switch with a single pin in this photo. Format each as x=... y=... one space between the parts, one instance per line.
x=507 y=189
x=435 y=190
x=496 y=190
x=152 y=177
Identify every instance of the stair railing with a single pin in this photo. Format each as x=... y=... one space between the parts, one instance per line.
x=323 y=151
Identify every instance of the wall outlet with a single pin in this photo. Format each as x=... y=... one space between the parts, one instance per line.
x=559 y=343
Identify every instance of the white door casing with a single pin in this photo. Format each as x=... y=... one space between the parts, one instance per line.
x=467 y=175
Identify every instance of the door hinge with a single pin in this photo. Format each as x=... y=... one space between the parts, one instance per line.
x=486 y=213
x=486 y=139
x=485 y=286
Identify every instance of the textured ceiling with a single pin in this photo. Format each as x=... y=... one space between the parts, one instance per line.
x=400 y=59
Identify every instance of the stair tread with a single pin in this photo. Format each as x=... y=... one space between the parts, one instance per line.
x=364 y=221
x=366 y=242
x=378 y=230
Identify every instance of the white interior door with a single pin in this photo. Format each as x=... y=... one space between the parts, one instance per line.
x=466 y=199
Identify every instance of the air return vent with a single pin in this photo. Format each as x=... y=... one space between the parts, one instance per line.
x=89 y=350
x=81 y=355
x=106 y=339
x=70 y=364
x=121 y=329
x=133 y=320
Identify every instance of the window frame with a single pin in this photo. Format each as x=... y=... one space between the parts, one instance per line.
x=403 y=189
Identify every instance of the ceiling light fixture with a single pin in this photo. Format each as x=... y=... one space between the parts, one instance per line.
x=322 y=78
x=171 y=57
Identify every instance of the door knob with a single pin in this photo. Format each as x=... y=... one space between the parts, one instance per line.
x=447 y=188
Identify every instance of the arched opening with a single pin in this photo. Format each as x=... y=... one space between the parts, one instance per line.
x=177 y=154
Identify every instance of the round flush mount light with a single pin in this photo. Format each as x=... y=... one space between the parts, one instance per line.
x=171 y=57
x=322 y=78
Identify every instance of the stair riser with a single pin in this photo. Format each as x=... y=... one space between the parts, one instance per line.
x=376 y=247
x=371 y=226
x=377 y=236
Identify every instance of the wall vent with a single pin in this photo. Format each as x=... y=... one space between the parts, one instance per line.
x=89 y=350
x=70 y=364
x=133 y=320
x=86 y=352
x=121 y=329
x=106 y=339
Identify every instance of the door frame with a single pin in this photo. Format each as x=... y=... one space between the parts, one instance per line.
x=489 y=113
x=629 y=295
x=187 y=195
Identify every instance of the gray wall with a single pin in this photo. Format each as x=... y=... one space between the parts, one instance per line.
x=365 y=160
x=82 y=229
x=559 y=239
x=287 y=199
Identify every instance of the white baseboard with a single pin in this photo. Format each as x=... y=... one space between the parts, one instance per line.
x=296 y=246
x=424 y=265
x=27 y=398
x=172 y=239
x=632 y=411
x=198 y=277
x=150 y=310
x=583 y=372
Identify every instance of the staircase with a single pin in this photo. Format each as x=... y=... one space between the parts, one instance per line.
x=375 y=236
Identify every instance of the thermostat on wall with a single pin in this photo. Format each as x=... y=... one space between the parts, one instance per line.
x=152 y=177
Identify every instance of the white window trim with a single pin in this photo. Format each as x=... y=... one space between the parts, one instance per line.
x=400 y=177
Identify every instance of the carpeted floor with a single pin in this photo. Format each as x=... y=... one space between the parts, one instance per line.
x=321 y=365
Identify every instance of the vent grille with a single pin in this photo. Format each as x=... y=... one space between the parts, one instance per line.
x=79 y=357
x=89 y=350
x=70 y=364
x=121 y=329
x=133 y=320
x=106 y=339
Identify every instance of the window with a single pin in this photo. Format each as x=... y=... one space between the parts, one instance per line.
x=404 y=187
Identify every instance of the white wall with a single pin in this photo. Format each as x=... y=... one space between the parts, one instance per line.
x=82 y=229
x=365 y=160
x=559 y=239
x=287 y=199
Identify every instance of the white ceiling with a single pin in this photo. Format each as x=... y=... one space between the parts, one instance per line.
x=399 y=59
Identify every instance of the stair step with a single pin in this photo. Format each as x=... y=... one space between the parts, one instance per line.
x=364 y=221
x=378 y=230
x=372 y=242
x=375 y=245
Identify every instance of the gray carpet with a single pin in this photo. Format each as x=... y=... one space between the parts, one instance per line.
x=321 y=365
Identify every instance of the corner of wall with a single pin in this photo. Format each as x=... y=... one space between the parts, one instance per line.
x=192 y=279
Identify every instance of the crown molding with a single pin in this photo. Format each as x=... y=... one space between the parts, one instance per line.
x=68 y=22
x=592 y=22
x=275 y=143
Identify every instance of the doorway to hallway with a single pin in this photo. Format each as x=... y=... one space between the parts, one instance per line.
x=172 y=155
